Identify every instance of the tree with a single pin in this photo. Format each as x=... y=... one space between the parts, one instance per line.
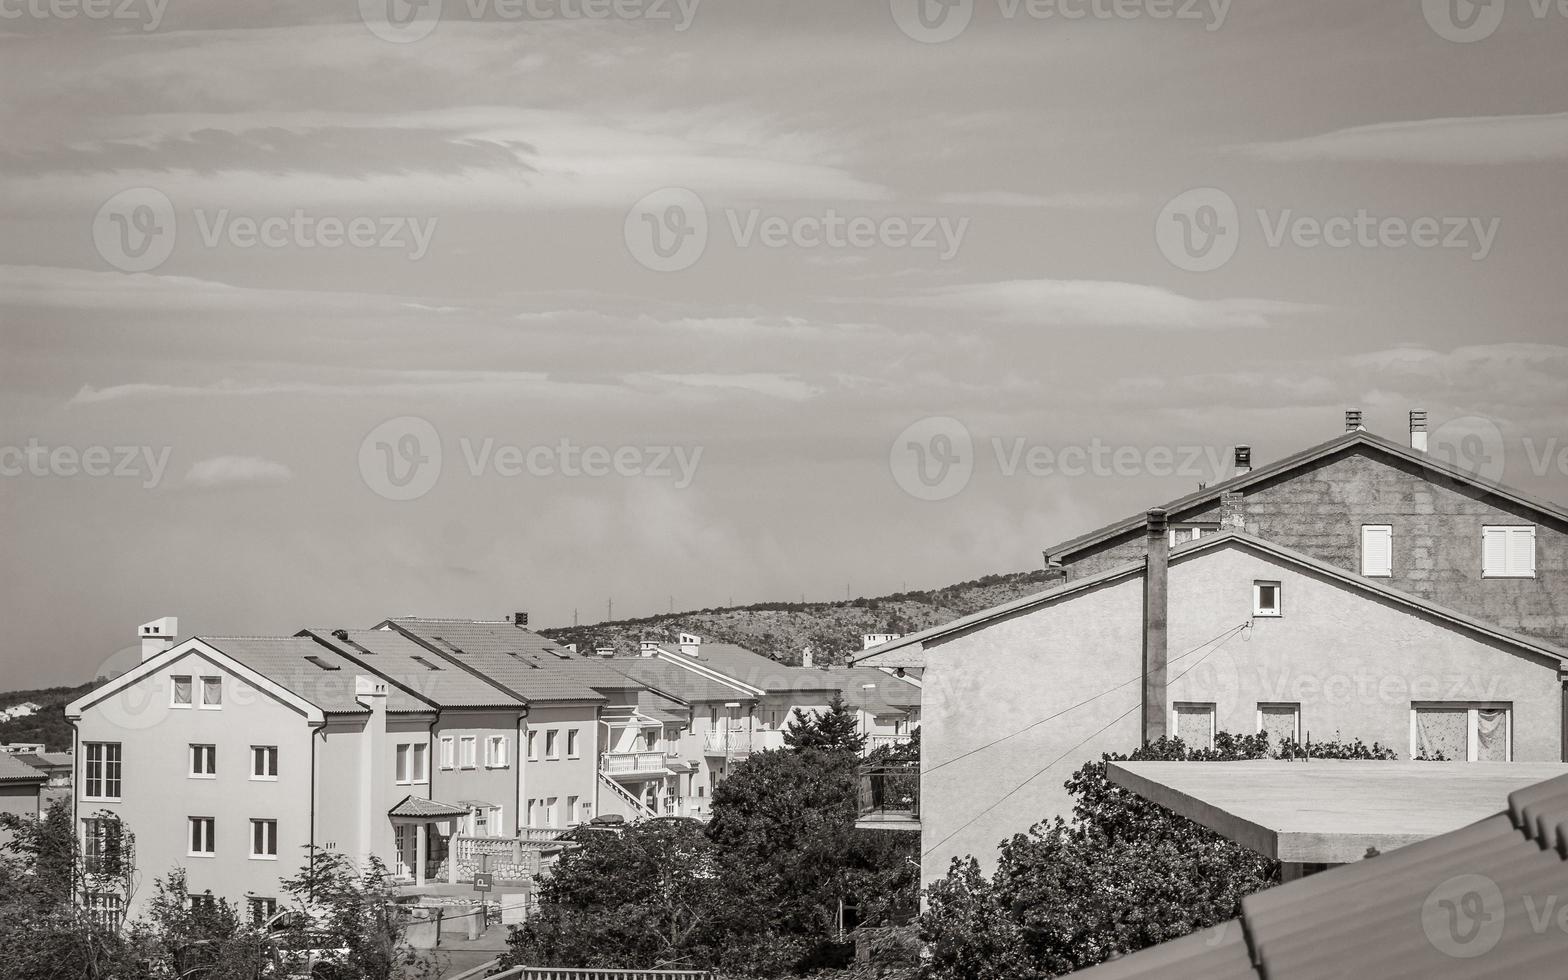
x=647 y=897
x=350 y=913
x=834 y=730
x=206 y=938
x=1125 y=874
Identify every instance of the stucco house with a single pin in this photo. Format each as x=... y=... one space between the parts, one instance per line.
x=1231 y=632
x=21 y=789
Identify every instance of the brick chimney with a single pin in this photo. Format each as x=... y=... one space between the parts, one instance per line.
x=1353 y=420
x=1155 y=632
x=1418 y=430
x=1243 y=460
x=1232 y=517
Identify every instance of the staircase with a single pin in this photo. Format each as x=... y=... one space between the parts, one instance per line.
x=635 y=808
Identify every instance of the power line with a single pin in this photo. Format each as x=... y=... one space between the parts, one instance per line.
x=1080 y=704
x=1096 y=734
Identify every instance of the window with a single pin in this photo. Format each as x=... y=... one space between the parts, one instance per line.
x=495 y=752
x=103 y=770
x=469 y=746
x=1462 y=732
x=571 y=744
x=205 y=902
x=180 y=691
x=551 y=749
x=264 y=762
x=533 y=747
x=551 y=806
x=571 y=811
x=412 y=762
x=204 y=761
x=448 y=752
x=107 y=909
x=481 y=821
x=1193 y=723
x=263 y=838
x=202 y=837
x=530 y=812
x=1281 y=722
x=261 y=909
x=1508 y=552
x=212 y=692
x=102 y=850
x=1266 y=599
x=1377 y=550
x=1185 y=533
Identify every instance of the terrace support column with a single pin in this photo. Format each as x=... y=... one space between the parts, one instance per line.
x=1156 y=601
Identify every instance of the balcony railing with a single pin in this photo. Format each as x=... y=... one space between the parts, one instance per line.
x=738 y=743
x=890 y=796
x=874 y=742
x=632 y=763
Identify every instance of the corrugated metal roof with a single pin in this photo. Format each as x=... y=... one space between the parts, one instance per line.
x=14 y=770
x=519 y=660
x=309 y=670
x=1468 y=903
x=412 y=667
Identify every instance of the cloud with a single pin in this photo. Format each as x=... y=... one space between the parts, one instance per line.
x=228 y=471
x=1090 y=303
x=1468 y=140
x=1065 y=201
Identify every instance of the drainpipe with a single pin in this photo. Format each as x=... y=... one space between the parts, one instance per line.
x=1155 y=627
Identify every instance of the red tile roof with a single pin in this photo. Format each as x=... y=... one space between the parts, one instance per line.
x=14 y=770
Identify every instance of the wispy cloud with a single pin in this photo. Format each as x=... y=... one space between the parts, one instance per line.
x=1089 y=201
x=228 y=471
x=1091 y=303
x=1467 y=140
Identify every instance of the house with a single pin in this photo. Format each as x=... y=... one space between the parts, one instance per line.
x=21 y=790
x=1479 y=900
x=21 y=748
x=1384 y=510
x=59 y=767
x=1231 y=632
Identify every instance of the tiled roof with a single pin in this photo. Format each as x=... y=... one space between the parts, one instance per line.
x=661 y=708
x=309 y=670
x=675 y=680
x=409 y=666
x=1463 y=904
x=40 y=759
x=758 y=671
x=14 y=770
x=517 y=659
x=414 y=806
x=886 y=695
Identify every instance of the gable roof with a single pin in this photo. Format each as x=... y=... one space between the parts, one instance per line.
x=1388 y=915
x=14 y=770
x=1346 y=443
x=676 y=681
x=910 y=646
x=521 y=662
x=413 y=669
x=753 y=669
x=314 y=672
x=202 y=647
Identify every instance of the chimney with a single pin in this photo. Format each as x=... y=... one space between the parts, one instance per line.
x=689 y=644
x=1243 y=460
x=1353 y=420
x=807 y=658
x=158 y=636
x=518 y=619
x=1155 y=638
x=1418 y=430
x=374 y=829
x=648 y=648
x=1232 y=518
x=604 y=650
x=570 y=646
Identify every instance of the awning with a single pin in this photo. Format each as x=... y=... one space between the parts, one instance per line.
x=421 y=809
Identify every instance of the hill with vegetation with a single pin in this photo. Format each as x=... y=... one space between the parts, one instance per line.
x=48 y=725
x=833 y=630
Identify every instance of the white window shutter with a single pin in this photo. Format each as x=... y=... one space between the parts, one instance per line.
x=1521 y=551
x=1377 y=550
x=1494 y=551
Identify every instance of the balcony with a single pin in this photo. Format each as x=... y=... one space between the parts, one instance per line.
x=632 y=764
x=889 y=798
x=874 y=742
x=738 y=743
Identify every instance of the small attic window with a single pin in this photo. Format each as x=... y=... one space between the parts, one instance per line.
x=421 y=661
x=1267 y=599
x=322 y=663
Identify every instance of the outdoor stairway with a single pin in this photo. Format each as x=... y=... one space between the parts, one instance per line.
x=639 y=810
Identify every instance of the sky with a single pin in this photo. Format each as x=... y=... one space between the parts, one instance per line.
x=319 y=312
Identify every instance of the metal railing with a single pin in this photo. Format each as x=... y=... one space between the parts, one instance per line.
x=890 y=791
x=596 y=973
x=626 y=763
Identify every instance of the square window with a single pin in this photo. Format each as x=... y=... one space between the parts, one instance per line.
x=1193 y=723
x=202 y=836
x=204 y=761
x=1280 y=721
x=263 y=839
x=212 y=692
x=180 y=691
x=1267 y=599
x=264 y=762
x=1508 y=552
x=1377 y=550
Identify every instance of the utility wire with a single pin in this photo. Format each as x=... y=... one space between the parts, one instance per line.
x=1042 y=770
x=1032 y=727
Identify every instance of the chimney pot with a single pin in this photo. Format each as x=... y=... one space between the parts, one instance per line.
x=1243 y=460
x=519 y=619
x=1158 y=522
x=1418 y=430
x=1353 y=420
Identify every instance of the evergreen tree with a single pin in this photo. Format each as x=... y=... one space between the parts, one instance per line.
x=835 y=730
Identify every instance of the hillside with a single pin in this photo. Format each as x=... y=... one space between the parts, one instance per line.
x=832 y=629
x=47 y=726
